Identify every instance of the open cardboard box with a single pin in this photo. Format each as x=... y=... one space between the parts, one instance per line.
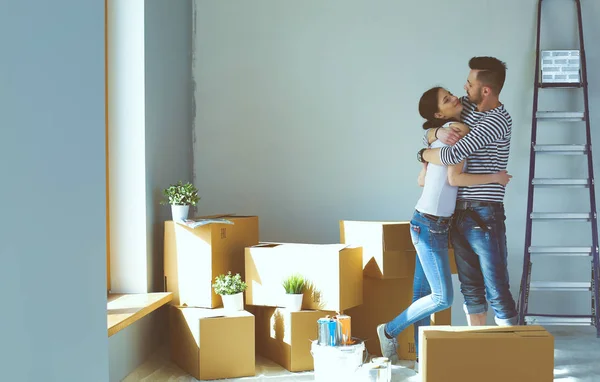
x=333 y=273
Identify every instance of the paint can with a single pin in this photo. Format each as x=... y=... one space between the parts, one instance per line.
x=345 y=330
x=380 y=360
x=369 y=372
x=383 y=369
x=328 y=332
x=373 y=372
x=337 y=363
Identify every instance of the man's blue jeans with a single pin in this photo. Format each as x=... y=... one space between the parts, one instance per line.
x=478 y=236
x=430 y=238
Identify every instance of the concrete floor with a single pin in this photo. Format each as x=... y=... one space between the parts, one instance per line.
x=576 y=356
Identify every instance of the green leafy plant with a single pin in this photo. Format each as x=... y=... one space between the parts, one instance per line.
x=229 y=284
x=180 y=194
x=294 y=284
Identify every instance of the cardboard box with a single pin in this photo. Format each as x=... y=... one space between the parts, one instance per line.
x=212 y=343
x=333 y=273
x=194 y=257
x=285 y=337
x=383 y=301
x=385 y=246
x=388 y=251
x=490 y=353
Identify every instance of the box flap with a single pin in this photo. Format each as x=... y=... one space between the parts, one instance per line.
x=377 y=222
x=396 y=237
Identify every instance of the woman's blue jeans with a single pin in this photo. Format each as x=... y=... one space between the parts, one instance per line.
x=421 y=288
x=430 y=238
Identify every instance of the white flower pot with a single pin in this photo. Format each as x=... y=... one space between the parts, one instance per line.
x=233 y=302
x=179 y=213
x=293 y=302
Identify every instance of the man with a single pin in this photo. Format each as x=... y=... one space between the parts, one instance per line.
x=478 y=232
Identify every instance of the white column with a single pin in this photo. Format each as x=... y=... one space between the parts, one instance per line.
x=127 y=152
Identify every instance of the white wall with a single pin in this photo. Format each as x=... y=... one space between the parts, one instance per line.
x=150 y=133
x=52 y=161
x=129 y=261
x=306 y=112
x=169 y=115
x=152 y=39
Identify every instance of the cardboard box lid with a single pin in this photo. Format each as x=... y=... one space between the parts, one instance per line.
x=454 y=332
x=380 y=235
x=298 y=247
x=377 y=222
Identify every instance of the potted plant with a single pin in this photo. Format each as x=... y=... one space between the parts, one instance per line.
x=180 y=196
x=294 y=291
x=231 y=289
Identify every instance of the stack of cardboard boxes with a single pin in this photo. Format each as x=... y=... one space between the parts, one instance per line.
x=206 y=341
x=368 y=277
x=389 y=264
x=334 y=283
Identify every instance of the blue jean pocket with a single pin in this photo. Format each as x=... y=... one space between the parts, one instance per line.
x=415 y=232
x=487 y=214
x=438 y=237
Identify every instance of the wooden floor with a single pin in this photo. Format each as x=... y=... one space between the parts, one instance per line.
x=577 y=351
x=160 y=369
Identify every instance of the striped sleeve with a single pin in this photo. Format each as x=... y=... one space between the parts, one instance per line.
x=491 y=128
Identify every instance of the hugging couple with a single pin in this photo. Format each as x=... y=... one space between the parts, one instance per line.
x=463 y=178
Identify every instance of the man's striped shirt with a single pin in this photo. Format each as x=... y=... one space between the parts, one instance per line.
x=486 y=149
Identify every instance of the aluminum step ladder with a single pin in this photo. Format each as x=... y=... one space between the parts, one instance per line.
x=545 y=78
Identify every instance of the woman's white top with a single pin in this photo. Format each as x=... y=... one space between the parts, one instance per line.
x=438 y=197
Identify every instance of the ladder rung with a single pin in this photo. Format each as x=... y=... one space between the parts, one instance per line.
x=561 y=149
x=560 y=182
x=562 y=116
x=535 y=319
x=560 y=251
x=560 y=85
x=564 y=286
x=561 y=216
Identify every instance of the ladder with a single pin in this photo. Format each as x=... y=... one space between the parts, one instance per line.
x=555 y=82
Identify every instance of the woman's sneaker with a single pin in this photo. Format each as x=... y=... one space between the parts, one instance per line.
x=389 y=346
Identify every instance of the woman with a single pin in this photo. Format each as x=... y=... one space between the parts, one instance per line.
x=429 y=225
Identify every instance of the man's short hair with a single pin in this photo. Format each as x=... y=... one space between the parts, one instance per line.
x=492 y=72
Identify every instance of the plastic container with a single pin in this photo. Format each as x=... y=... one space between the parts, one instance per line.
x=337 y=363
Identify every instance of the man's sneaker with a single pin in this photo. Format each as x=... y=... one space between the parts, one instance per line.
x=416 y=368
x=389 y=346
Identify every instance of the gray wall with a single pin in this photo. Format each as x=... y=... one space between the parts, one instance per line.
x=132 y=346
x=168 y=41
x=52 y=161
x=306 y=112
